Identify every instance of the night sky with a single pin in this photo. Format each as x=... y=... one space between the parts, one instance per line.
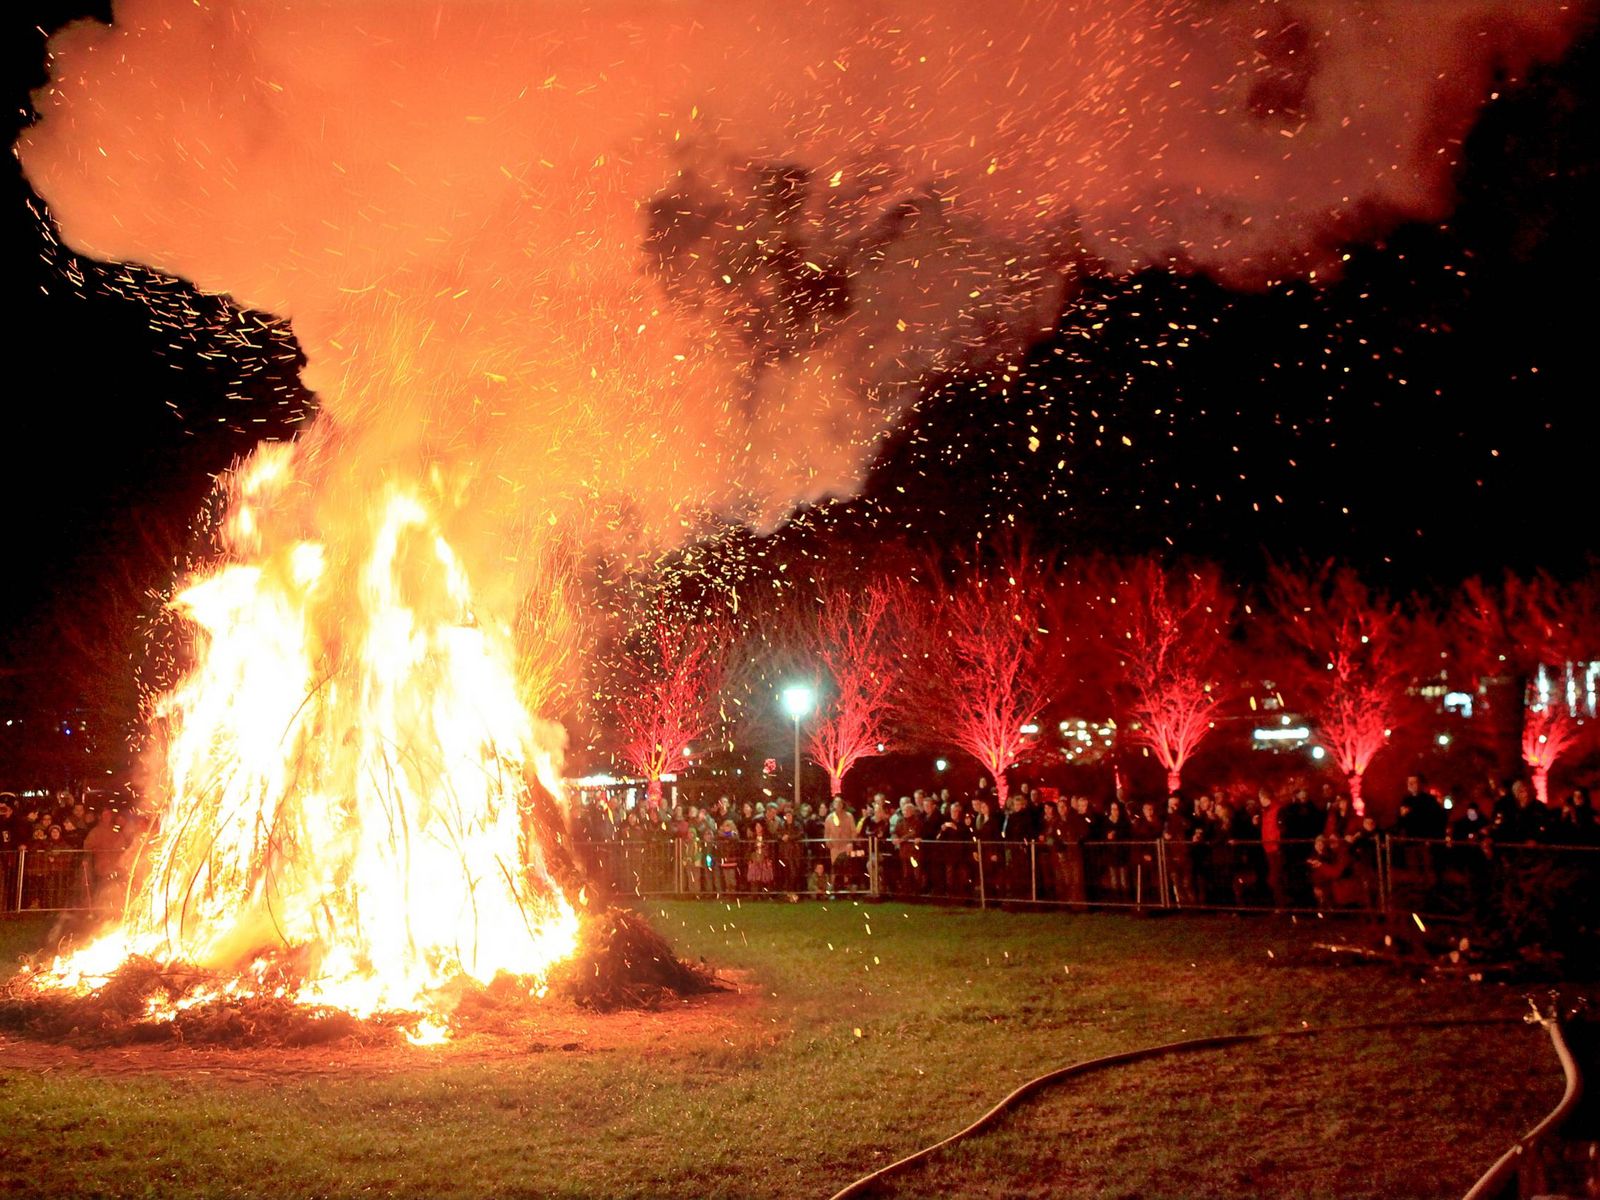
x=1425 y=417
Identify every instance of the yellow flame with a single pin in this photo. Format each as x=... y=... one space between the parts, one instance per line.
x=344 y=770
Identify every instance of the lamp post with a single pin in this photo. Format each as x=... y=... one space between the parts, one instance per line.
x=797 y=700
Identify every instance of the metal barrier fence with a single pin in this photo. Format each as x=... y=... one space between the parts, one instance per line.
x=1381 y=873
x=58 y=880
x=1131 y=874
x=1384 y=873
x=1515 y=882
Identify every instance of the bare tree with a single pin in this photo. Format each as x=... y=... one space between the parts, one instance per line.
x=1347 y=656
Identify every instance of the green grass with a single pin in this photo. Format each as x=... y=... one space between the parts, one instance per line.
x=879 y=1029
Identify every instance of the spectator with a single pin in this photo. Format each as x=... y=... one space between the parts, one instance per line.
x=1574 y=825
x=758 y=868
x=1115 y=832
x=1524 y=821
x=1343 y=820
x=791 y=852
x=907 y=839
x=1470 y=824
x=1502 y=809
x=1144 y=831
x=839 y=833
x=1331 y=872
x=12 y=827
x=1073 y=829
x=1178 y=831
x=986 y=829
x=1016 y=832
x=1420 y=815
x=1272 y=835
x=1299 y=823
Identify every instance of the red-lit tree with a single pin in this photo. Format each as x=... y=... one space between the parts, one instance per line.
x=1515 y=635
x=848 y=637
x=1346 y=656
x=668 y=679
x=1549 y=730
x=983 y=662
x=1168 y=630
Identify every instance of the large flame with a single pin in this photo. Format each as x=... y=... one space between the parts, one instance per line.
x=343 y=774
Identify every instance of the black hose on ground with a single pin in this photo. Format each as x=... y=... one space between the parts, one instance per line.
x=866 y=1183
x=1498 y=1178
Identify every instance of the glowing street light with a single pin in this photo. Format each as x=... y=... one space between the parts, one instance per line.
x=797 y=700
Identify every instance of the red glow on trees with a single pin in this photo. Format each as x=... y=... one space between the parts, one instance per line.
x=1347 y=656
x=1169 y=630
x=848 y=635
x=983 y=673
x=1549 y=730
x=670 y=675
x=1514 y=632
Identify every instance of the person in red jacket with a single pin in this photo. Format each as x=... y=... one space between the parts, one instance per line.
x=1272 y=848
x=1333 y=873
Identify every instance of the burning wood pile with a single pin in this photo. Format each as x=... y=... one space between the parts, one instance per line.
x=362 y=818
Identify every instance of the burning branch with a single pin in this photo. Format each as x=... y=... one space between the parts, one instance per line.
x=549 y=635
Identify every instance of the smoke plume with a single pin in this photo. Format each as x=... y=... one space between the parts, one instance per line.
x=613 y=267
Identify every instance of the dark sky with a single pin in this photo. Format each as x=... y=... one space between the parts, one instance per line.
x=1426 y=417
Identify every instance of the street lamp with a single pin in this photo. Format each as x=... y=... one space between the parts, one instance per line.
x=797 y=700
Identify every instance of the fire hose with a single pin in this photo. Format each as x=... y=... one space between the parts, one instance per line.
x=1495 y=1179
x=1481 y=1191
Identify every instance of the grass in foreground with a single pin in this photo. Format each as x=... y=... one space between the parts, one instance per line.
x=880 y=1029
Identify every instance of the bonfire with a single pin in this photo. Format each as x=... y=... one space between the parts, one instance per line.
x=362 y=819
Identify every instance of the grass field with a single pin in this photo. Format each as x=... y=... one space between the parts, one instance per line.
x=862 y=1032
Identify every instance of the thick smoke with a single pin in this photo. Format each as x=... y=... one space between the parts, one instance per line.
x=611 y=267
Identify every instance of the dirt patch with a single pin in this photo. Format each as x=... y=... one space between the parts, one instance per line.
x=550 y=1026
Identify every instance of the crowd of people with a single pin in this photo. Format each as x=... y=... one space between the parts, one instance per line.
x=1303 y=848
x=76 y=843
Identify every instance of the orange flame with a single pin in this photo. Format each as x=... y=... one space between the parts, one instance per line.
x=343 y=775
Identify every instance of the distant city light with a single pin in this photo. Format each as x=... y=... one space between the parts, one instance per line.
x=941 y=764
x=1292 y=733
x=1318 y=753
x=1030 y=729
